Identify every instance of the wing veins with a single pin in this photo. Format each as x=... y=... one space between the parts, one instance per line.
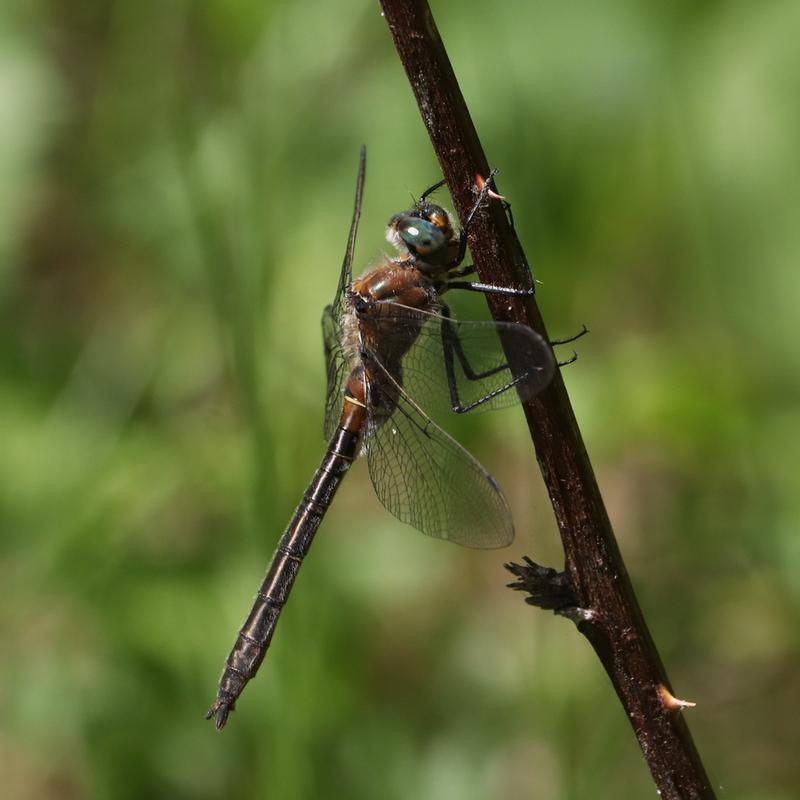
x=453 y=496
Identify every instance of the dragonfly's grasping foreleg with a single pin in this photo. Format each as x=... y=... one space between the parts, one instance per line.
x=472 y=286
x=431 y=189
x=460 y=272
x=454 y=271
x=462 y=237
x=487 y=288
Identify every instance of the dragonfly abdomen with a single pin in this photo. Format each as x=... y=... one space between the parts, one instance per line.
x=256 y=633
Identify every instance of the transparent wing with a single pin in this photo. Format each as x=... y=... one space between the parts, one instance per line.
x=346 y=276
x=442 y=362
x=336 y=365
x=336 y=368
x=424 y=477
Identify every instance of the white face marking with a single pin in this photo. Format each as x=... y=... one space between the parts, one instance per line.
x=413 y=231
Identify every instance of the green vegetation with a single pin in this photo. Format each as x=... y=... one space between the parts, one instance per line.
x=175 y=187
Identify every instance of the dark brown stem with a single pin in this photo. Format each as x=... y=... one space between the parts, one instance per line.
x=600 y=598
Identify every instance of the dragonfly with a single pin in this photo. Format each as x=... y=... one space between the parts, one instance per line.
x=392 y=349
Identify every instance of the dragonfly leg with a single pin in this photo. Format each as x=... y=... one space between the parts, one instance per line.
x=462 y=237
x=453 y=349
x=460 y=272
x=574 y=357
x=431 y=189
x=454 y=271
x=582 y=332
x=487 y=288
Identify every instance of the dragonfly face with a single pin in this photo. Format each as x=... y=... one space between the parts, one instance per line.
x=392 y=349
x=426 y=233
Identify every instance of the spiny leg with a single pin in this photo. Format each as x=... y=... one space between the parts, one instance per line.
x=574 y=357
x=487 y=288
x=460 y=272
x=454 y=270
x=457 y=271
x=431 y=189
x=462 y=237
x=508 y=291
x=453 y=347
x=582 y=332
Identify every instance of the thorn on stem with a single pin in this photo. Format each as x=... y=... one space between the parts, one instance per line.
x=672 y=703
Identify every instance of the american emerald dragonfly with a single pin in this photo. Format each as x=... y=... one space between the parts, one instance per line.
x=393 y=353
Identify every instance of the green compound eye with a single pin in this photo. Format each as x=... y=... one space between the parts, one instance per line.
x=422 y=237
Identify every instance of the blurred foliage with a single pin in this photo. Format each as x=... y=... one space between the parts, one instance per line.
x=175 y=188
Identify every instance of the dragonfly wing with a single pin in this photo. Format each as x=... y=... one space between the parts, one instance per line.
x=335 y=361
x=479 y=353
x=424 y=477
x=346 y=276
x=336 y=368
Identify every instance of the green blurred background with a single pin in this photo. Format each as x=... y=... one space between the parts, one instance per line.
x=176 y=183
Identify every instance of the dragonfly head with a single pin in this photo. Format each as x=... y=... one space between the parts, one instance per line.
x=436 y=215
x=426 y=233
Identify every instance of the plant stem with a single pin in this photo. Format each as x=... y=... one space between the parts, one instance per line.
x=600 y=597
